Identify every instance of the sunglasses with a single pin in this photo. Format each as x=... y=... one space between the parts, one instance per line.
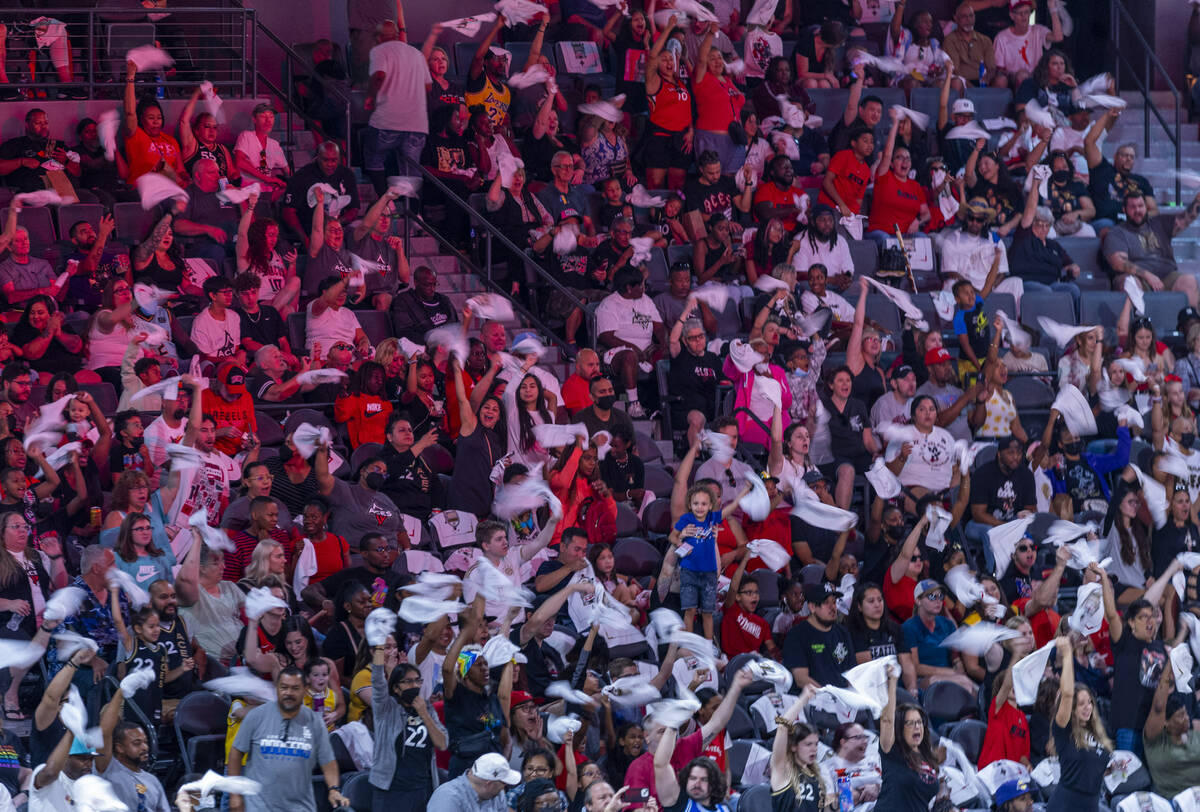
x=1024 y=548
x=975 y=218
x=933 y=596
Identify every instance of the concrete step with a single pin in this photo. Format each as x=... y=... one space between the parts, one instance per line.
x=441 y=265
x=460 y=283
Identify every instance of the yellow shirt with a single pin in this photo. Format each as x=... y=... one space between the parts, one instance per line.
x=327 y=702
x=357 y=706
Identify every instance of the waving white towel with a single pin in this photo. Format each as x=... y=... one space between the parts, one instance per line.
x=770 y=553
x=560 y=727
x=964 y=585
x=235 y=195
x=212 y=782
x=673 y=713
x=138 y=597
x=68 y=643
x=919 y=120
x=469 y=26
x=607 y=109
x=808 y=326
x=631 y=692
x=638 y=196
x=1004 y=538
x=243 y=682
x=20 y=653
x=259 y=601
x=969 y=131
x=756 y=504
x=1075 y=411
x=642 y=248
x=154 y=188
x=42 y=197
x=1130 y=415
x=883 y=480
x=1063 y=334
x=763 y=12
x=939 y=523
x=499 y=650
x=1018 y=336
x=563 y=690
x=718 y=444
x=1027 y=674
x=537 y=75
x=769 y=389
x=554 y=435
x=74 y=717
x=308 y=438
x=519 y=12
x=148 y=57
x=378 y=625
x=744 y=356
x=843 y=703
x=495 y=586
x=899 y=298
x=214 y=538
x=416 y=609
x=870 y=679
x=999 y=124
x=566 y=241
x=60 y=456
x=887 y=64
x=451 y=339
x=107 y=126
x=137 y=679
x=715 y=295
x=64 y=603
x=1036 y=114
x=978 y=638
x=819 y=514
x=1154 y=494
x=530 y=494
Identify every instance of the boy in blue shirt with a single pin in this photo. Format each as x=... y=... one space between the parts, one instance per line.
x=971 y=322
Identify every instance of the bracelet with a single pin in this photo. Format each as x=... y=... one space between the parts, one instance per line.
x=779 y=720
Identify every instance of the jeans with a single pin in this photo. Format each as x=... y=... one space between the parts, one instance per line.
x=1056 y=287
x=978 y=532
x=377 y=144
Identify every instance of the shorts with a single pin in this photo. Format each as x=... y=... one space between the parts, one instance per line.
x=698 y=590
x=664 y=149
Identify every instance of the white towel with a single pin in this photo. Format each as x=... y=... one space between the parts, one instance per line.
x=451 y=339
x=148 y=57
x=1036 y=114
x=870 y=679
x=969 y=131
x=415 y=609
x=212 y=782
x=631 y=692
x=819 y=514
x=770 y=553
x=1004 y=538
x=1135 y=367
x=560 y=727
x=763 y=13
x=642 y=199
x=1154 y=494
x=939 y=522
x=744 y=356
x=519 y=12
x=469 y=26
x=491 y=306
x=537 y=75
x=259 y=601
x=885 y=483
x=964 y=585
x=607 y=109
x=1027 y=674
x=756 y=504
x=919 y=120
x=1018 y=336
x=243 y=682
x=42 y=197
x=978 y=638
x=554 y=435
x=154 y=188
x=1075 y=411
x=1063 y=334
x=899 y=298
x=107 y=126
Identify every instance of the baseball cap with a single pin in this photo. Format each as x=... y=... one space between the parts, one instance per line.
x=903 y=371
x=234 y=378
x=568 y=213
x=937 y=355
x=264 y=107
x=519 y=698
x=963 y=106
x=1012 y=789
x=767 y=475
x=927 y=585
x=494 y=767
x=78 y=748
x=813 y=477
x=819 y=592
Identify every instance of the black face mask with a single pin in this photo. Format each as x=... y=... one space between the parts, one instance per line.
x=1061 y=176
x=374 y=480
x=606 y=402
x=895 y=531
x=408 y=695
x=1187 y=439
x=286 y=452
x=1073 y=447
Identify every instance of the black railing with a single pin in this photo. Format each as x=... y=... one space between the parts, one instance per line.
x=489 y=234
x=210 y=43
x=1122 y=21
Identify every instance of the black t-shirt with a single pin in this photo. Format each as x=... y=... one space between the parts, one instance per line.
x=257 y=384
x=1082 y=770
x=1138 y=666
x=207 y=208
x=414 y=755
x=1108 y=188
x=382 y=587
x=468 y=713
x=1016 y=585
x=602 y=263
x=826 y=654
x=86 y=290
x=694 y=380
x=955 y=151
x=264 y=327
x=296 y=196
x=56 y=358
x=846 y=429
x=12 y=758
x=904 y=789
x=710 y=198
x=1037 y=261
x=24 y=179
x=879 y=642
x=1003 y=495
x=623 y=475
x=342 y=643
x=413 y=317
x=1006 y=200
x=574 y=270
x=545 y=664
x=409 y=483
x=447 y=153
x=1064 y=199
x=1082 y=482
x=124 y=458
x=1170 y=541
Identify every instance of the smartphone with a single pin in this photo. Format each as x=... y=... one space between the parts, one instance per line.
x=642 y=794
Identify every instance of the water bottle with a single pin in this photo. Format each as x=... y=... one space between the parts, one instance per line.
x=845 y=795
x=982 y=74
x=14 y=622
x=160 y=91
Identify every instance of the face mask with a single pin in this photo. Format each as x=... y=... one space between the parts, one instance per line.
x=800 y=373
x=408 y=695
x=1061 y=176
x=374 y=480
x=606 y=402
x=895 y=531
x=1073 y=447
x=1187 y=439
x=938 y=176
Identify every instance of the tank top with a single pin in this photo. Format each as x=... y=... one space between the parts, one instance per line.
x=671 y=107
x=272 y=278
x=216 y=154
x=868 y=385
x=329 y=556
x=150 y=698
x=802 y=794
x=495 y=100
x=159 y=319
x=108 y=349
x=174 y=638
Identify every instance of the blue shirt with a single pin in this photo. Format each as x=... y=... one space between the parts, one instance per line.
x=927 y=643
x=703 y=557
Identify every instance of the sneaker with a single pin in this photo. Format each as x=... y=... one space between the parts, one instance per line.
x=636 y=411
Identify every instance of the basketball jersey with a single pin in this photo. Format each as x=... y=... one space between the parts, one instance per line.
x=149 y=699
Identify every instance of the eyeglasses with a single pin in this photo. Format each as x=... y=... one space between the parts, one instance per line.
x=538 y=771
x=341 y=345
x=975 y=218
x=914 y=723
x=859 y=737
x=933 y=596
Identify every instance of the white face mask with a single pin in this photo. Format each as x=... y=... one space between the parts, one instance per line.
x=938 y=177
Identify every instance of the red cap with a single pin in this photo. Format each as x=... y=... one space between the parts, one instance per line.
x=519 y=698
x=234 y=378
x=937 y=355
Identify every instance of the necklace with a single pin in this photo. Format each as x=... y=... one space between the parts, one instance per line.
x=254 y=317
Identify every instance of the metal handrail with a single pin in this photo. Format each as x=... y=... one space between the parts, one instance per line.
x=285 y=94
x=1121 y=14
x=88 y=70
x=478 y=220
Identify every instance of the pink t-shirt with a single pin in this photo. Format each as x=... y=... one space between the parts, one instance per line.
x=641 y=771
x=1016 y=53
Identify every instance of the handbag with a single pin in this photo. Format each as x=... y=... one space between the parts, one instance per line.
x=475 y=745
x=737 y=133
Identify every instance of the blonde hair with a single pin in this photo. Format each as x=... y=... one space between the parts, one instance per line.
x=1094 y=729
x=260 y=561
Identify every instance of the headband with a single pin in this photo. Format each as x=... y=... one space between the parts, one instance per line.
x=466 y=659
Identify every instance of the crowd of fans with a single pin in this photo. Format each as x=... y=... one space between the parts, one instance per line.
x=264 y=478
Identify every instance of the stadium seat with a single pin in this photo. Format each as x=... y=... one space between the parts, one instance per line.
x=656 y=518
x=658 y=269
x=1101 y=307
x=829 y=104
x=756 y=798
x=358 y=788
x=658 y=480
x=628 y=523
x=376 y=324
x=200 y=721
x=883 y=311
x=768 y=586
x=737 y=755
x=969 y=735
x=1000 y=301
x=134 y=223
x=636 y=557
x=270 y=433
x=298 y=331
x=947 y=702
x=310 y=416
x=1162 y=308
x=741 y=725
x=925 y=100
x=38 y=221
x=104 y=394
x=1056 y=306
x=865 y=255
x=72 y=213
x=990 y=102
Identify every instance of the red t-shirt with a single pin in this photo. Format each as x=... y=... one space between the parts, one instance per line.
x=365 y=418
x=148 y=154
x=1044 y=624
x=771 y=193
x=239 y=414
x=329 y=556
x=851 y=176
x=1007 y=735
x=899 y=597
x=575 y=393
x=895 y=203
x=777 y=527
x=641 y=771
x=742 y=632
x=716 y=749
x=718 y=103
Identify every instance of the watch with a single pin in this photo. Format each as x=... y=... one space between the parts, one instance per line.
x=335 y=788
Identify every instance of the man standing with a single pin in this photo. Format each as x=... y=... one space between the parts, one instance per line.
x=282 y=742
x=396 y=101
x=479 y=789
x=1141 y=247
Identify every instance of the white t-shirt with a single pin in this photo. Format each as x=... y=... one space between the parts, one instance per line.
x=430 y=668
x=158 y=434
x=54 y=797
x=1016 y=53
x=516 y=570
x=204 y=487
x=930 y=465
x=761 y=47
x=219 y=338
x=332 y=326
x=836 y=258
x=842 y=310
x=630 y=320
x=248 y=144
x=400 y=102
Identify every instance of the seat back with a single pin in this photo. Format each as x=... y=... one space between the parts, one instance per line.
x=72 y=213
x=768 y=586
x=134 y=223
x=1162 y=308
x=969 y=735
x=376 y=324
x=830 y=104
x=39 y=223
x=947 y=702
x=270 y=433
x=636 y=557
x=1101 y=307
x=297 y=327
x=865 y=254
x=756 y=798
x=1055 y=305
x=990 y=102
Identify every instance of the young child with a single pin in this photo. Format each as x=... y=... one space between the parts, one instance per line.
x=79 y=422
x=667 y=223
x=695 y=540
x=129 y=452
x=613 y=205
x=971 y=322
x=742 y=630
x=142 y=649
x=320 y=696
x=791 y=613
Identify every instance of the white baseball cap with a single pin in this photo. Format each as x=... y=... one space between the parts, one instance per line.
x=963 y=106
x=494 y=767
